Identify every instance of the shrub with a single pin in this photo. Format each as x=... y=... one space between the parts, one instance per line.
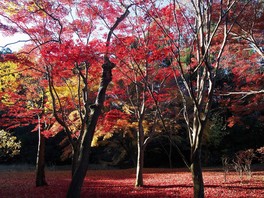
x=260 y=151
x=9 y=146
x=242 y=162
x=226 y=166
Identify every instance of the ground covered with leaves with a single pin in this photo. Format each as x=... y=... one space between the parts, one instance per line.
x=120 y=183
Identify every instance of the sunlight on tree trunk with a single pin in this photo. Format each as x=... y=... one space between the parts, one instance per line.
x=40 y=163
x=140 y=155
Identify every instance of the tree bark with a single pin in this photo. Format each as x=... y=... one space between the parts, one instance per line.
x=170 y=151
x=74 y=190
x=75 y=155
x=197 y=176
x=140 y=157
x=40 y=162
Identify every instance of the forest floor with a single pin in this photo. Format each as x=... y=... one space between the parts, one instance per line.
x=163 y=183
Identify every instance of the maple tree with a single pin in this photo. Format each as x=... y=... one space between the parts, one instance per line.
x=73 y=49
x=141 y=84
x=203 y=28
x=137 y=95
x=244 y=96
x=57 y=27
x=24 y=105
x=249 y=26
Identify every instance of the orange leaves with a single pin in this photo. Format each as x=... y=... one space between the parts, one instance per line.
x=231 y=121
x=115 y=119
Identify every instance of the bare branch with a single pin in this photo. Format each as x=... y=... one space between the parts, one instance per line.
x=54 y=18
x=19 y=41
x=244 y=93
x=119 y=20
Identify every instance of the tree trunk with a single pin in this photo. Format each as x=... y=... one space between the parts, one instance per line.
x=75 y=155
x=74 y=190
x=170 y=156
x=170 y=151
x=197 y=176
x=140 y=158
x=40 y=162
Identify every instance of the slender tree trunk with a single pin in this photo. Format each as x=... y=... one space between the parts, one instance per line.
x=170 y=156
x=197 y=176
x=140 y=158
x=170 y=151
x=40 y=162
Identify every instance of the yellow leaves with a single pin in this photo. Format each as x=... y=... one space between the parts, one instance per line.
x=8 y=74
x=5 y=100
x=8 y=80
x=107 y=136
x=127 y=109
x=56 y=128
x=9 y=146
x=32 y=7
x=74 y=124
x=11 y=8
x=74 y=116
x=145 y=124
x=94 y=141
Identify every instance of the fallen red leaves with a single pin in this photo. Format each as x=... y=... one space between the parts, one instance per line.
x=120 y=183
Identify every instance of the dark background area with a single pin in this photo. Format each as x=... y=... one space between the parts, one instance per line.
x=110 y=153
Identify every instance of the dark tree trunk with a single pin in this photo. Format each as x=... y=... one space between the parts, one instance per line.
x=170 y=156
x=40 y=162
x=74 y=190
x=197 y=176
x=170 y=151
x=75 y=155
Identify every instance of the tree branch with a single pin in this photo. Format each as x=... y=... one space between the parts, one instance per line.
x=245 y=93
x=19 y=41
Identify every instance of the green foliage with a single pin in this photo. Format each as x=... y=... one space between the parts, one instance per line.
x=186 y=56
x=213 y=139
x=9 y=146
x=216 y=131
